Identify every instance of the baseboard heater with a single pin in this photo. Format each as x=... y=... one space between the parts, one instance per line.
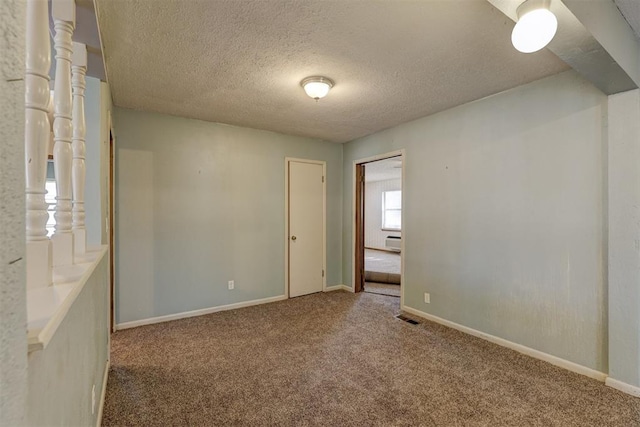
x=393 y=243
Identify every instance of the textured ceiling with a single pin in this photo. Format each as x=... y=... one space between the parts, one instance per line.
x=383 y=170
x=240 y=61
x=630 y=9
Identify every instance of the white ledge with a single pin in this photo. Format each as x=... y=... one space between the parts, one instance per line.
x=47 y=307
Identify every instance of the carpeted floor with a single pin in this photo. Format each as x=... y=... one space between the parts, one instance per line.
x=382 y=289
x=382 y=261
x=340 y=359
x=382 y=266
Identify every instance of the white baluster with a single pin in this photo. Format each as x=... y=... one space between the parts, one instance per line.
x=38 y=62
x=64 y=17
x=78 y=172
x=50 y=114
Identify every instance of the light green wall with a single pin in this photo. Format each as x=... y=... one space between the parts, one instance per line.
x=199 y=204
x=505 y=212
x=97 y=108
x=92 y=199
x=61 y=376
x=624 y=237
x=106 y=107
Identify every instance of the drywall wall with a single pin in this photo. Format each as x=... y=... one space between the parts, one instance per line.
x=624 y=237
x=13 y=306
x=374 y=236
x=97 y=109
x=199 y=204
x=504 y=215
x=106 y=106
x=92 y=199
x=61 y=376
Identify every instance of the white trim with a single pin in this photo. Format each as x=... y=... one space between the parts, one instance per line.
x=286 y=227
x=287 y=160
x=103 y=394
x=554 y=360
x=194 y=313
x=623 y=387
x=39 y=338
x=383 y=156
x=397 y=153
x=404 y=222
x=325 y=273
x=337 y=288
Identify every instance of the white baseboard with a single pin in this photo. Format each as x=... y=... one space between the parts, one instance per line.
x=338 y=288
x=554 y=360
x=103 y=394
x=623 y=387
x=194 y=313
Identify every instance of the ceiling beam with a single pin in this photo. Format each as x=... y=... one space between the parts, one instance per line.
x=594 y=39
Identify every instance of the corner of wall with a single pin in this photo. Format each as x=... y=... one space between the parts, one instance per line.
x=624 y=234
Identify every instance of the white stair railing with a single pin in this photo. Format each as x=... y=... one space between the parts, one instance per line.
x=38 y=62
x=63 y=13
x=50 y=206
x=78 y=172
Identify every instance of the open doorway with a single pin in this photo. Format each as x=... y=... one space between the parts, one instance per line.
x=378 y=248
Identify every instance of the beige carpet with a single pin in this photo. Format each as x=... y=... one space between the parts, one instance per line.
x=382 y=289
x=340 y=359
x=382 y=266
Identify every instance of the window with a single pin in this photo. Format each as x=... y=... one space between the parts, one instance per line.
x=392 y=210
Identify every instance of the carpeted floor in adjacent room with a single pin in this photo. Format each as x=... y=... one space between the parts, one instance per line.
x=382 y=289
x=340 y=359
x=382 y=266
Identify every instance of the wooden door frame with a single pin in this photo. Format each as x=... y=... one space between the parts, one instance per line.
x=288 y=160
x=354 y=248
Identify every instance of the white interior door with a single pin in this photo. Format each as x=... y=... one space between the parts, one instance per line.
x=306 y=228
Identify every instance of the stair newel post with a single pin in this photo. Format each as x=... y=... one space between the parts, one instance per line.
x=37 y=127
x=63 y=12
x=78 y=171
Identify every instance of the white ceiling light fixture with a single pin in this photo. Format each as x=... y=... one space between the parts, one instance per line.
x=316 y=86
x=536 y=26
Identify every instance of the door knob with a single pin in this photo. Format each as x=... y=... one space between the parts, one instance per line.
x=293 y=238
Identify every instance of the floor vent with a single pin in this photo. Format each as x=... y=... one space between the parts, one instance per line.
x=406 y=319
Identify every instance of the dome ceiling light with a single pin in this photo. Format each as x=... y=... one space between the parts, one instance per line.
x=316 y=86
x=536 y=26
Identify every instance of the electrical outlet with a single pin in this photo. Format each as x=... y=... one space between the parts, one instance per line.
x=231 y=284
x=93 y=400
x=427 y=298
